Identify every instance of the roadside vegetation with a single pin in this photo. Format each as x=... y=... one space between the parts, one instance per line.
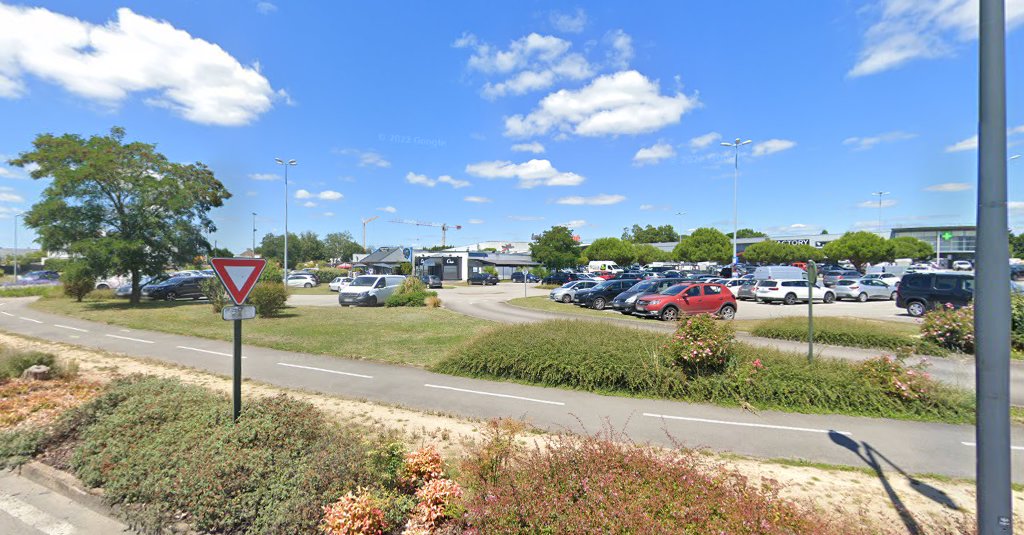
x=44 y=290
x=851 y=332
x=545 y=304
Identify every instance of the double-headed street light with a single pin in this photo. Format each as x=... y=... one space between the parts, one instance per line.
x=286 y=165
x=680 y=214
x=735 y=190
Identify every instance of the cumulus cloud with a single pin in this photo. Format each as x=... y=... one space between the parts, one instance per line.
x=367 y=158
x=264 y=176
x=569 y=23
x=621 y=52
x=654 y=154
x=703 y=142
x=106 y=63
x=908 y=30
x=388 y=209
x=971 y=143
x=265 y=8
x=302 y=194
x=530 y=63
x=526 y=217
x=328 y=214
x=473 y=198
x=772 y=146
x=424 y=180
x=328 y=195
x=648 y=207
x=865 y=143
x=596 y=200
x=533 y=147
x=622 y=103
x=575 y=223
x=11 y=197
x=530 y=174
x=886 y=203
x=949 y=187
x=476 y=221
x=309 y=204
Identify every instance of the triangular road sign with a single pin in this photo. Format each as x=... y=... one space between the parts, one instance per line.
x=238 y=275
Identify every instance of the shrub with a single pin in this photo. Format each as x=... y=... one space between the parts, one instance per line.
x=848 y=332
x=14 y=362
x=432 y=301
x=215 y=293
x=439 y=502
x=271 y=273
x=490 y=270
x=354 y=514
x=701 y=345
x=328 y=274
x=1017 y=321
x=78 y=280
x=540 y=272
x=950 y=328
x=896 y=379
x=420 y=467
x=269 y=298
x=412 y=293
x=31 y=290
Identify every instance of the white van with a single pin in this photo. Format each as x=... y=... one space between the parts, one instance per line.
x=369 y=290
x=603 y=265
x=779 y=273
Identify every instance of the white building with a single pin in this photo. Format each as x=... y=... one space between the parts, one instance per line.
x=504 y=247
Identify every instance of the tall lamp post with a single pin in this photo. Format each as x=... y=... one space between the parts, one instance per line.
x=254 y=234
x=880 y=194
x=16 y=216
x=680 y=214
x=735 y=190
x=286 y=165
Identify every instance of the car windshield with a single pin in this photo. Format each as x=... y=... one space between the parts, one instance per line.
x=570 y=284
x=674 y=290
x=364 y=281
x=174 y=280
x=603 y=285
x=643 y=286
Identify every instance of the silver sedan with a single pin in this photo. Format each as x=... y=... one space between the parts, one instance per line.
x=864 y=289
x=567 y=291
x=746 y=290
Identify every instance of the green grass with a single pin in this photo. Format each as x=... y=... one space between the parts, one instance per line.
x=622 y=360
x=411 y=336
x=315 y=290
x=32 y=291
x=850 y=332
x=545 y=304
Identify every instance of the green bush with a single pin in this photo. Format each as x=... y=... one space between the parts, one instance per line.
x=215 y=293
x=269 y=298
x=78 y=280
x=412 y=293
x=701 y=345
x=490 y=270
x=13 y=362
x=1017 y=321
x=540 y=272
x=628 y=361
x=950 y=328
x=848 y=332
x=328 y=274
x=271 y=273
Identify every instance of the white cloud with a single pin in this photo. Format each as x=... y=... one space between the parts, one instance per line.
x=575 y=223
x=949 y=187
x=265 y=8
x=530 y=174
x=772 y=146
x=473 y=198
x=533 y=147
x=372 y=159
x=6 y=173
x=569 y=23
x=264 y=176
x=621 y=52
x=476 y=221
x=622 y=103
x=328 y=214
x=654 y=154
x=11 y=197
x=908 y=30
x=251 y=194
x=1016 y=207
x=703 y=142
x=424 y=180
x=971 y=143
x=329 y=195
x=302 y=194
x=886 y=203
x=309 y=204
x=597 y=200
x=526 y=217
x=133 y=54
x=865 y=143
x=530 y=63
x=388 y=209
x=648 y=207
x=453 y=182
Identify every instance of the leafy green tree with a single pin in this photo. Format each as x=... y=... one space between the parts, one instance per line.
x=123 y=207
x=555 y=248
x=909 y=247
x=747 y=233
x=703 y=245
x=646 y=253
x=768 y=252
x=650 y=234
x=341 y=245
x=309 y=248
x=78 y=279
x=221 y=252
x=859 y=248
x=804 y=252
x=614 y=249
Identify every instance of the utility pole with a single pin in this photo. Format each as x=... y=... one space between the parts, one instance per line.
x=735 y=191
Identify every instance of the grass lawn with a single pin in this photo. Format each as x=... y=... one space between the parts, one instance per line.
x=316 y=290
x=547 y=305
x=403 y=335
x=853 y=332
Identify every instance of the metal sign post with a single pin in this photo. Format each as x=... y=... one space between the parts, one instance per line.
x=239 y=276
x=812 y=278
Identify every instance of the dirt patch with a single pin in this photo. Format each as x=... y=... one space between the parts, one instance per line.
x=27 y=403
x=932 y=505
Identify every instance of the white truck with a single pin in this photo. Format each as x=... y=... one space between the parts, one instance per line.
x=603 y=265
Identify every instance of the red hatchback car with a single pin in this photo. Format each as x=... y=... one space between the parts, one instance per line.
x=688 y=298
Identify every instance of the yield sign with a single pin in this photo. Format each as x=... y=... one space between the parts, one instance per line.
x=238 y=275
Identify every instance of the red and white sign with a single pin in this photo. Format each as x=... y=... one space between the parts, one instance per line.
x=238 y=275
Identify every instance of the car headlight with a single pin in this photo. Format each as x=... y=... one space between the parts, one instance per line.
x=632 y=299
x=654 y=302
x=364 y=294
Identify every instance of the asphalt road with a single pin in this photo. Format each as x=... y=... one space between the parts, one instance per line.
x=910 y=447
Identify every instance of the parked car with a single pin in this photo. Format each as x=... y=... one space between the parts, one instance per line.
x=791 y=291
x=890 y=278
x=689 y=299
x=175 y=288
x=114 y=282
x=302 y=280
x=921 y=292
x=831 y=277
x=600 y=295
x=311 y=274
x=567 y=291
x=746 y=289
x=338 y=283
x=125 y=290
x=864 y=289
x=39 y=276
x=560 y=277
x=529 y=277
x=483 y=279
x=734 y=286
x=779 y=273
x=962 y=265
x=432 y=281
x=625 y=302
x=369 y=290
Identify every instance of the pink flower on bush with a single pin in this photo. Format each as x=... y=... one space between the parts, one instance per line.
x=354 y=514
x=422 y=466
x=440 y=501
x=701 y=345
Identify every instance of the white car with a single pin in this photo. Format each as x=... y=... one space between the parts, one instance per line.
x=338 y=283
x=963 y=265
x=790 y=291
x=301 y=281
x=734 y=285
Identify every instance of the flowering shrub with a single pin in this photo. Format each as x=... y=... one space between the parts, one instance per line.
x=440 y=501
x=354 y=514
x=422 y=466
x=896 y=379
x=701 y=345
x=950 y=328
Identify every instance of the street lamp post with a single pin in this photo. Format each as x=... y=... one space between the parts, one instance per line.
x=16 y=216
x=254 y=234
x=880 y=194
x=735 y=190
x=286 y=165
x=680 y=214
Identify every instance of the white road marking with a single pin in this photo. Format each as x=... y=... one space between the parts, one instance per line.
x=746 y=424
x=6 y=313
x=325 y=371
x=132 y=339
x=33 y=516
x=70 y=328
x=29 y=319
x=493 y=394
x=206 y=351
x=973 y=445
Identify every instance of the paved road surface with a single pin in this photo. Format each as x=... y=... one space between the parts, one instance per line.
x=27 y=508
x=914 y=447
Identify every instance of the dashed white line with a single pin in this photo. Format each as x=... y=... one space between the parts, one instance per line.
x=325 y=370
x=747 y=424
x=29 y=319
x=206 y=351
x=546 y=402
x=33 y=516
x=6 y=313
x=131 y=339
x=974 y=445
x=68 y=327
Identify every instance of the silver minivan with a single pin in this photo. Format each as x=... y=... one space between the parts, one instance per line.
x=369 y=290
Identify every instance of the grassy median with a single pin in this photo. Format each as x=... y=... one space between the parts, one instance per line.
x=545 y=304
x=852 y=332
x=411 y=336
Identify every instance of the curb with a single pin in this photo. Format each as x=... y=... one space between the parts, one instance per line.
x=66 y=485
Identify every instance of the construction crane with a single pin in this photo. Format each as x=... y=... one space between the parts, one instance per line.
x=445 y=227
x=365 y=221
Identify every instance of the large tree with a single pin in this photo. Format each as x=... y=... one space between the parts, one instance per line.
x=555 y=248
x=614 y=249
x=747 y=233
x=859 y=248
x=768 y=252
x=123 y=207
x=341 y=245
x=704 y=245
x=910 y=247
x=650 y=234
x=646 y=253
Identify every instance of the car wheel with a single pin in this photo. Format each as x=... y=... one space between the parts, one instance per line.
x=670 y=313
x=892 y=296
x=171 y=296
x=307 y=285
x=863 y=297
x=916 y=309
x=790 y=299
x=829 y=297
x=728 y=312
x=599 y=303
x=372 y=302
x=567 y=298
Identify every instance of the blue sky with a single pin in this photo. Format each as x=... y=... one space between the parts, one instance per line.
x=508 y=118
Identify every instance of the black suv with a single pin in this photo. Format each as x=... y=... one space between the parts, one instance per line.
x=599 y=296
x=921 y=292
x=175 y=287
x=482 y=279
x=560 y=277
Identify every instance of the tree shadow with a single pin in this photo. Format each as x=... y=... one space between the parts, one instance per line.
x=871 y=457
